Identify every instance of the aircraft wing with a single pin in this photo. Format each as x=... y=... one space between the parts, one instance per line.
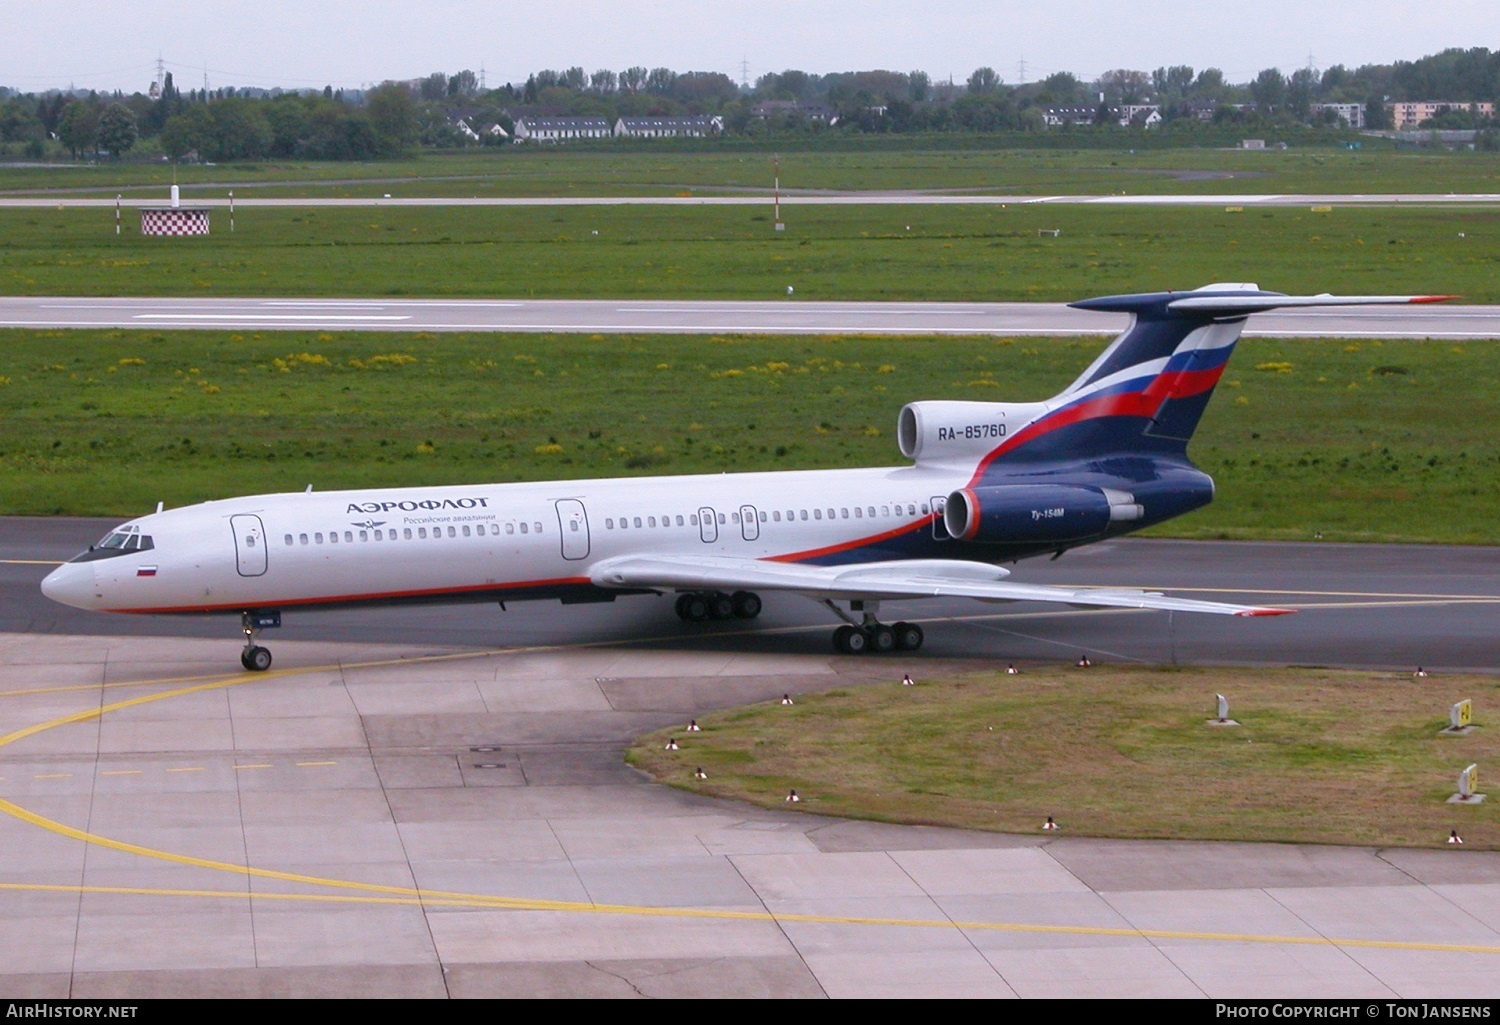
x=874 y=581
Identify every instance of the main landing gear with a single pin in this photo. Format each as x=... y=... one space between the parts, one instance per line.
x=256 y=658
x=698 y=606
x=868 y=634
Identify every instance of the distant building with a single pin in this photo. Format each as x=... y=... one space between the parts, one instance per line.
x=1410 y=115
x=822 y=113
x=1352 y=114
x=668 y=127
x=561 y=129
x=1140 y=114
x=1143 y=115
x=1059 y=117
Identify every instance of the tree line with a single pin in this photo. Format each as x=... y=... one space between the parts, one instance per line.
x=443 y=110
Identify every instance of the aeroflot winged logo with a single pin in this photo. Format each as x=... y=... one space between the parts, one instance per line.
x=426 y=504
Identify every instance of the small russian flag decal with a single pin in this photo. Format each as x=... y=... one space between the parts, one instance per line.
x=145 y=571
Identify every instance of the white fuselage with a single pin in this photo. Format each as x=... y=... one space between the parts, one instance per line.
x=492 y=541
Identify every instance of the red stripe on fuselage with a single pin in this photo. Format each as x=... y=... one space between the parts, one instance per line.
x=380 y=596
x=814 y=553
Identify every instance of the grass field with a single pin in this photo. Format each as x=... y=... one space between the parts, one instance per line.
x=826 y=253
x=1358 y=440
x=889 y=164
x=1320 y=757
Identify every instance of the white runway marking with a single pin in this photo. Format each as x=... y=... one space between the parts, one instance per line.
x=270 y=316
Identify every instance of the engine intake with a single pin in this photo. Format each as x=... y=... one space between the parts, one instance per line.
x=937 y=432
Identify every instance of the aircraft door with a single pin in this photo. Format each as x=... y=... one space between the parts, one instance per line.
x=708 y=526
x=749 y=523
x=939 y=528
x=573 y=524
x=249 y=544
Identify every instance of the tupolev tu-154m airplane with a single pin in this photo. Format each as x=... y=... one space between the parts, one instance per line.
x=988 y=483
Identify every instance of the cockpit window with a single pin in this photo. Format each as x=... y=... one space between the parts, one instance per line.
x=117 y=542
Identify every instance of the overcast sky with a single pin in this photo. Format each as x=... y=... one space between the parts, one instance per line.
x=47 y=44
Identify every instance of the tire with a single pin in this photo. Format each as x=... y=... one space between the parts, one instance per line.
x=720 y=606
x=746 y=604
x=257 y=659
x=909 y=636
x=882 y=639
x=694 y=608
x=849 y=641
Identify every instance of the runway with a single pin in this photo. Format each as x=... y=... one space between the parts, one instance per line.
x=1441 y=321
x=435 y=804
x=216 y=196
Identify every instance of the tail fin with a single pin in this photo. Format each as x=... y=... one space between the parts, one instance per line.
x=1147 y=391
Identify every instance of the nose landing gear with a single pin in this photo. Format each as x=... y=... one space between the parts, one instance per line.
x=256 y=658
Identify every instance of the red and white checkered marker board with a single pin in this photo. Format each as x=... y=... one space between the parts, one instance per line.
x=174 y=222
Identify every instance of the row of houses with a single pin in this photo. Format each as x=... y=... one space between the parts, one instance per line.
x=566 y=129
x=1403 y=115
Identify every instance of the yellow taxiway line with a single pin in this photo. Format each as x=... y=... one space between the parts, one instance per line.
x=351 y=891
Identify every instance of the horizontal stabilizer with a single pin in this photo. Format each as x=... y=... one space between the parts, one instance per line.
x=1260 y=303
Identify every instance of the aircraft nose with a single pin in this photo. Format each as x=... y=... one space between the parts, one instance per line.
x=72 y=583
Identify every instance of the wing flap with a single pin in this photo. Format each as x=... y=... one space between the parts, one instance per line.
x=927 y=578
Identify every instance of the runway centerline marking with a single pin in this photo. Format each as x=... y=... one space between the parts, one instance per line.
x=381 y=893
